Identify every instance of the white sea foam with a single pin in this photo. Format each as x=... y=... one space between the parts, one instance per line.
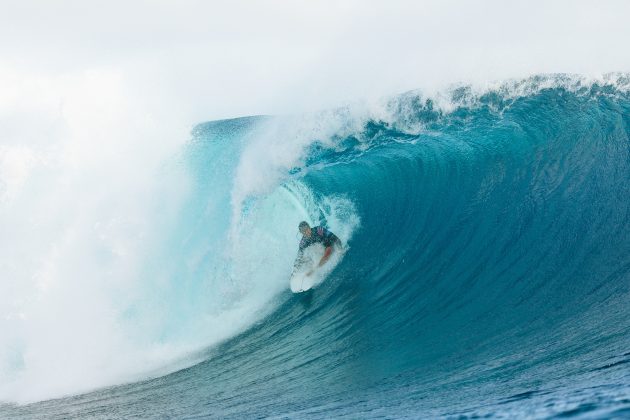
x=90 y=294
x=77 y=216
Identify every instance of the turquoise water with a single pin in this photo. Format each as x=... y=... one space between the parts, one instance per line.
x=488 y=270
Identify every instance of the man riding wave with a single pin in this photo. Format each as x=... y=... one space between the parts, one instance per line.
x=317 y=234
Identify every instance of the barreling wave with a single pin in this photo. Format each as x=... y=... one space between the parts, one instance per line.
x=488 y=271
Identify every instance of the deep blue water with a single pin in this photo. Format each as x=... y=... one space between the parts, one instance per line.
x=488 y=273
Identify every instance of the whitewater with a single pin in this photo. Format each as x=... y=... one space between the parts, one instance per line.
x=487 y=271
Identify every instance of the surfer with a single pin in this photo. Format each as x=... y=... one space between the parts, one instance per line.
x=317 y=234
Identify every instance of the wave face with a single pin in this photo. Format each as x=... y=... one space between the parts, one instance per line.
x=488 y=271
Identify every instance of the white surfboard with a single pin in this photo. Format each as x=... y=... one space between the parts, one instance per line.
x=300 y=282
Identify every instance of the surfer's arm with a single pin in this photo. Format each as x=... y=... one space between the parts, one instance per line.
x=331 y=240
x=323 y=260
x=326 y=255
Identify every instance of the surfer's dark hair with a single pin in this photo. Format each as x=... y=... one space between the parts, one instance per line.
x=303 y=225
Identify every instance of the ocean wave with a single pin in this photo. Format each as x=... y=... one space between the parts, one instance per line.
x=487 y=270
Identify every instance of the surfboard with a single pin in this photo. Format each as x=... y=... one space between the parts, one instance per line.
x=300 y=282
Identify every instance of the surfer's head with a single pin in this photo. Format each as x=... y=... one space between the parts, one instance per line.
x=304 y=229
